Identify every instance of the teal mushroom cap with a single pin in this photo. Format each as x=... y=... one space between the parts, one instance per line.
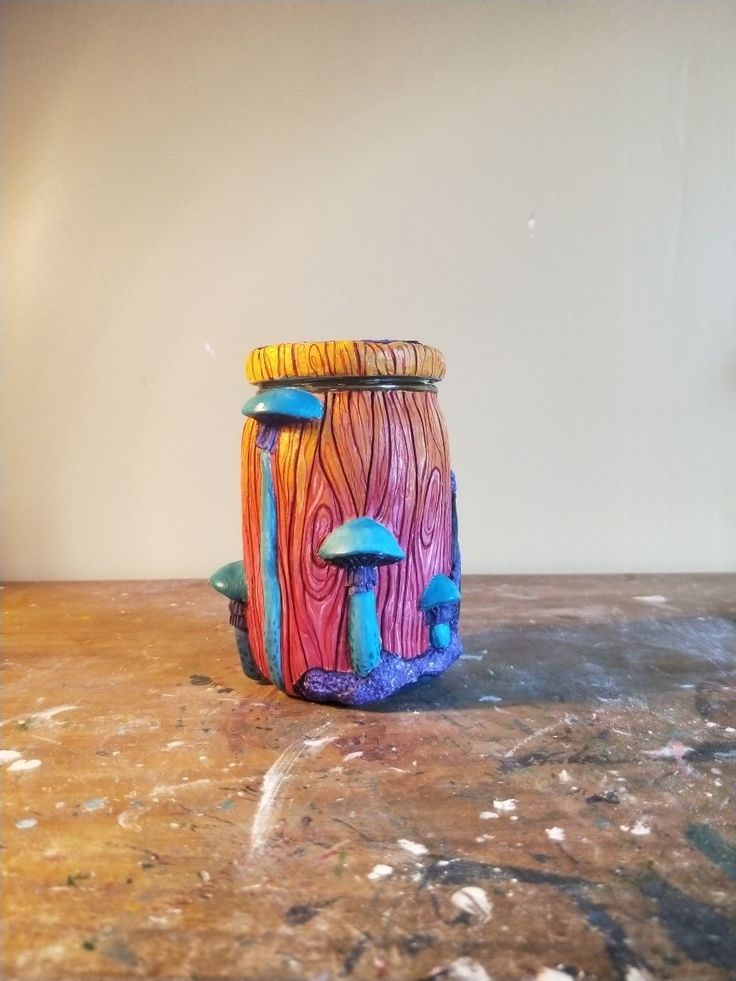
x=361 y=542
x=438 y=605
x=439 y=590
x=284 y=404
x=230 y=581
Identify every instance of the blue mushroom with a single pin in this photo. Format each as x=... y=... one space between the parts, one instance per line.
x=439 y=604
x=230 y=581
x=277 y=407
x=359 y=546
x=273 y=409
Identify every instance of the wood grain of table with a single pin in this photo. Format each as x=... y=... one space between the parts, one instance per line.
x=561 y=799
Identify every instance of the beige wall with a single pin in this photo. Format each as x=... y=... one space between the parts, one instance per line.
x=546 y=190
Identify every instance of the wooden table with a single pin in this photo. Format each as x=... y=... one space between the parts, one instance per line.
x=562 y=799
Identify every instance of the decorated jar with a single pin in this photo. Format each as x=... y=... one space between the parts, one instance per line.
x=349 y=587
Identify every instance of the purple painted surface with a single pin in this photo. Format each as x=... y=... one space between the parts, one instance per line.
x=391 y=674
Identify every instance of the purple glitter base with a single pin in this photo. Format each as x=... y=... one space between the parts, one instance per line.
x=391 y=674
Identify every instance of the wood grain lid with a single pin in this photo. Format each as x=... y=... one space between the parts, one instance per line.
x=345 y=359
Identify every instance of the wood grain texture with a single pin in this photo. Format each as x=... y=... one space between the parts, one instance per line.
x=378 y=454
x=128 y=850
x=318 y=359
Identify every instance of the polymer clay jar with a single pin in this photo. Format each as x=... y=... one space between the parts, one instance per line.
x=349 y=586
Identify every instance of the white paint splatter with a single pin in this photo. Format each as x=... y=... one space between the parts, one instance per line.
x=209 y=349
x=567 y=720
x=640 y=827
x=169 y=789
x=42 y=716
x=674 y=750
x=638 y=974
x=380 y=872
x=273 y=780
x=555 y=833
x=174 y=744
x=463 y=969
x=474 y=901
x=21 y=765
x=551 y=974
x=129 y=819
x=505 y=805
x=8 y=755
x=318 y=743
x=353 y=756
x=655 y=598
x=488 y=816
x=413 y=847
x=95 y=804
x=26 y=823
x=564 y=777
x=490 y=698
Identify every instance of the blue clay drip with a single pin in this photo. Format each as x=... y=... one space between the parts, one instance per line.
x=269 y=573
x=455 y=565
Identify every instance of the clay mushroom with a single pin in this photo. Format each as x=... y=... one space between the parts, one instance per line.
x=359 y=546
x=230 y=581
x=274 y=409
x=439 y=606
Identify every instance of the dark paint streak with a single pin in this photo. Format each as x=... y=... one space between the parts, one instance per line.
x=720 y=852
x=459 y=871
x=354 y=955
x=607 y=797
x=701 y=753
x=696 y=928
x=303 y=913
x=416 y=943
x=200 y=679
x=706 y=752
x=296 y=915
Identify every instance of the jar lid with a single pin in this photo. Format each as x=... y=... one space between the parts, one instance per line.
x=316 y=360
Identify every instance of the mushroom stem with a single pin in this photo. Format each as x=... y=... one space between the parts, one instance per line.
x=247 y=661
x=440 y=635
x=364 y=636
x=266 y=437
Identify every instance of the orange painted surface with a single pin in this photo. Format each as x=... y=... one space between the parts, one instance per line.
x=381 y=454
x=319 y=359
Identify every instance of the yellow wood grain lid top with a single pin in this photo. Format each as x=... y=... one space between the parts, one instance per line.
x=345 y=359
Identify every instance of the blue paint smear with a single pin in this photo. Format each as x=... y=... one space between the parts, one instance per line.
x=721 y=852
x=270 y=574
x=363 y=634
x=455 y=570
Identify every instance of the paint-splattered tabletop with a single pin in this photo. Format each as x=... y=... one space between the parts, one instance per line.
x=559 y=804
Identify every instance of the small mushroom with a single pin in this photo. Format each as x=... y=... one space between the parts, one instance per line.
x=277 y=407
x=359 y=546
x=439 y=606
x=230 y=581
x=273 y=409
